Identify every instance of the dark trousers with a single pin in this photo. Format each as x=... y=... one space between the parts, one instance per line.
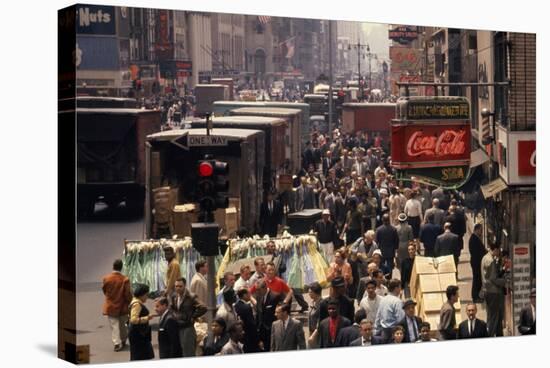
x=300 y=298
x=429 y=252
x=495 y=313
x=476 y=278
x=352 y=235
x=415 y=224
x=387 y=266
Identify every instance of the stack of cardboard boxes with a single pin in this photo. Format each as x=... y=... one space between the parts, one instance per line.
x=429 y=280
x=227 y=218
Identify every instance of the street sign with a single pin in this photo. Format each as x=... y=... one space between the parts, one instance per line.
x=521 y=279
x=186 y=141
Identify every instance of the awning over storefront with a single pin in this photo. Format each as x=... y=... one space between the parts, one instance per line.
x=493 y=188
x=478 y=157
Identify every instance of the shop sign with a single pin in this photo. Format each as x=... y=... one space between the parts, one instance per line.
x=441 y=109
x=444 y=176
x=430 y=145
x=527 y=158
x=521 y=278
x=171 y=69
x=95 y=19
x=403 y=34
x=406 y=59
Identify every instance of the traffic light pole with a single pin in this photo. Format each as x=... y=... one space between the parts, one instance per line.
x=211 y=282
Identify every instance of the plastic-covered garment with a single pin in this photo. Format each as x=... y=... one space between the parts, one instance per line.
x=295 y=279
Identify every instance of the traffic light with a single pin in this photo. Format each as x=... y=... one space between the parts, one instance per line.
x=212 y=187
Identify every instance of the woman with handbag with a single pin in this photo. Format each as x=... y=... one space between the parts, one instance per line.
x=139 y=329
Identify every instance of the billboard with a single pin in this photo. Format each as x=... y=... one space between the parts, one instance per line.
x=95 y=19
x=97 y=53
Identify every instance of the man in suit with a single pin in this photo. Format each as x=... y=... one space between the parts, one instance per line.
x=328 y=162
x=116 y=288
x=477 y=252
x=271 y=215
x=199 y=285
x=246 y=316
x=360 y=167
x=443 y=198
x=331 y=327
x=286 y=333
x=447 y=318
x=447 y=244
x=429 y=233
x=169 y=339
x=366 y=338
x=528 y=316
x=265 y=313
x=186 y=308
x=388 y=242
x=493 y=283
x=472 y=327
x=457 y=219
x=353 y=332
x=438 y=213
x=411 y=323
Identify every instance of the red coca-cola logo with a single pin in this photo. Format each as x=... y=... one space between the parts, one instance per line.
x=523 y=251
x=449 y=143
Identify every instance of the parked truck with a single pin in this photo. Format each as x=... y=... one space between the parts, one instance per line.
x=111 y=155
x=206 y=94
x=172 y=157
x=374 y=118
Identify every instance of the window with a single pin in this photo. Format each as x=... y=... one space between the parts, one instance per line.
x=501 y=67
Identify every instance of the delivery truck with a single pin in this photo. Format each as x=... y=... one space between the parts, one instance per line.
x=373 y=118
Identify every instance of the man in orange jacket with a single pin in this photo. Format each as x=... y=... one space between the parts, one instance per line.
x=116 y=288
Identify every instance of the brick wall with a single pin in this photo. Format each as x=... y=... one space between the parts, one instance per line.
x=522 y=60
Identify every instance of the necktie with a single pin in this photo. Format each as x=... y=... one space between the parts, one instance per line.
x=415 y=332
x=471 y=328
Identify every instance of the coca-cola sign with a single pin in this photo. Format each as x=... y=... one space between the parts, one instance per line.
x=430 y=144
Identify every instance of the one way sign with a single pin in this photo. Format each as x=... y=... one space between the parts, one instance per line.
x=185 y=141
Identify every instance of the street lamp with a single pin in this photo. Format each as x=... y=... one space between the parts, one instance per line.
x=359 y=47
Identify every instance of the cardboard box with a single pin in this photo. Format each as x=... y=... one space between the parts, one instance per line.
x=231 y=220
x=430 y=266
x=431 y=302
x=184 y=216
x=428 y=283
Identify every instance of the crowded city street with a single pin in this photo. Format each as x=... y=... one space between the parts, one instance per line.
x=279 y=184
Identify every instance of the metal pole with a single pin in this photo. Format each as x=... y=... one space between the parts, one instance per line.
x=330 y=76
x=211 y=283
x=359 y=69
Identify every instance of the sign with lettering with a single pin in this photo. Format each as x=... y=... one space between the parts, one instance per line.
x=521 y=278
x=437 y=109
x=527 y=158
x=171 y=69
x=186 y=141
x=447 y=176
x=95 y=19
x=429 y=145
x=403 y=34
x=406 y=59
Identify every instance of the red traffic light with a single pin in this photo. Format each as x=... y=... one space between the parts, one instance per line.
x=206 y=169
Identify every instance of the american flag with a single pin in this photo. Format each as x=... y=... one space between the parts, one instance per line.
x=264 y=19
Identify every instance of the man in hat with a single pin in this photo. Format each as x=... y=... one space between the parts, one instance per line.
x=406 y=235
x=472 y=327
x=527 y=316
x=337 y=292
x=411 y=323
x=327 y=235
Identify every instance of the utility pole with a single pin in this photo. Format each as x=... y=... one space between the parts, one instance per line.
x=329 y=76
x=359 y=46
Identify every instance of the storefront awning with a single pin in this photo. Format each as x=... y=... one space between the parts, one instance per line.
x=478 y=157
x=493 y=188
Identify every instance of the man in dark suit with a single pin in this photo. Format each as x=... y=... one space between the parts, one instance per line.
x=331 y=327
x=411 y=323
x=246 y=316
x=458 y=223
x=169 y=339
x=307 y=156
x=388 y=242
x=366 y=338
x=527 y=316
x=472 y=327
x=287 y=333
x=477 y=252
x=271 y=216
x=428 y=235
x=447 y=244
x=353 y=332
x=328 y=162
x=266 y=302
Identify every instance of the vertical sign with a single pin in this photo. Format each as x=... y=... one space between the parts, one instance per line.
x=521 y=282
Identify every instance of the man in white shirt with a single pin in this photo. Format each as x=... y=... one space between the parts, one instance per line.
x=259 y=265
x=370 y=301
x=245 y=279
x=413 y=210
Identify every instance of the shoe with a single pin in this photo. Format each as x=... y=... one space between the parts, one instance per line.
x=118 y=347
